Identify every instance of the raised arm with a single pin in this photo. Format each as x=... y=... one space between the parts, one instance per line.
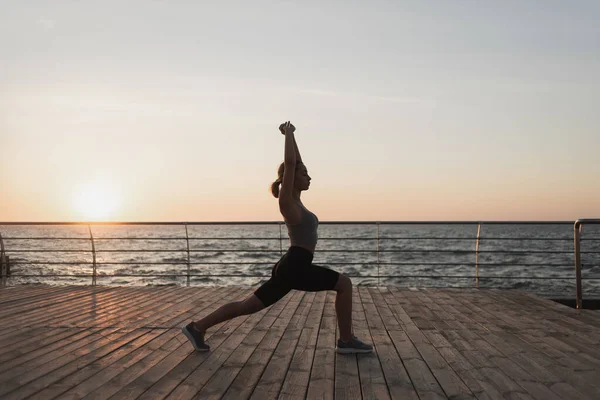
x=287 y=204
x=282 y=130
x=298 y=158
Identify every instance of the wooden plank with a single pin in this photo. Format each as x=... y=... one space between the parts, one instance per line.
x=44 y=337
x=295 y=384
x=100 y=371
x=478 y=385
x=555 y=343
x=34 y=381
x=520 y=369
x=218 y=384
x=197 y=376
x=447 y=378
x=23 y=374
x=50 y=306
x=74 y=360
x=493 y=354
x=10 y=294
x=269 y=384
x=126 y=316
x=21 y=294
x=347 y=376
x=414 y=349
x=132 y=365
x=69 y=312
x=125 y=309
x=44 y=316
x=152 y=369
x=557 y=312
x=47 y=298
x=28 y=336
x=381 y=320
x=496 y=344
x=372 y=379
x=322 y=376
x=244 y=383
x=432 y=346
x=29 y=343
x=16 y=366
x=57 y=349
x=43 y=308
x=179 y=382
x=396 y=308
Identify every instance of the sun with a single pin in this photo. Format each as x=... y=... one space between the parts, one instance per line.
x=95 y=202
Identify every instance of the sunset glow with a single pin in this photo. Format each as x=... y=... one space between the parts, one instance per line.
x=95 y=202
x=150 y=111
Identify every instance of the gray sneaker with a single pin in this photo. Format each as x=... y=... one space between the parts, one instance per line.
x=353 y=346
x=195 y=337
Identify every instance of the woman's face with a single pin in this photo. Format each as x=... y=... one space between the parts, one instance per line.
x=302 y=179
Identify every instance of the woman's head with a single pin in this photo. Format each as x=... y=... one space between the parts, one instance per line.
x=301 y=179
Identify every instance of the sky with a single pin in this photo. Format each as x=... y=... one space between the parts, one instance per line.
x=405 y=110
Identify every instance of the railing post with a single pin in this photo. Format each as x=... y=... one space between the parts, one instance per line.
x=187 y=240
x=577 y=228
x=378 y=281
x=3 y=262
x=93 y=256
x=477 y=255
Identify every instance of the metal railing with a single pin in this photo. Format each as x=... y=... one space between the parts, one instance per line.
x=577 y=230
x=379 y=250
x=3 y=263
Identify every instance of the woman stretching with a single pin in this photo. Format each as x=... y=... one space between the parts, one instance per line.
x=295 y=269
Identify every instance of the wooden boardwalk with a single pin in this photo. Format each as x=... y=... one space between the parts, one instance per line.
x=125 y=342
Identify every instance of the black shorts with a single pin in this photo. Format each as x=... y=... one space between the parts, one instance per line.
x=295 y=271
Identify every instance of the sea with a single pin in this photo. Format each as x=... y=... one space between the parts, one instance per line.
x=538 y=258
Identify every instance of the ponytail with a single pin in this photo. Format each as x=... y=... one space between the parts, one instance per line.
x=275 y=188
x=275 y=185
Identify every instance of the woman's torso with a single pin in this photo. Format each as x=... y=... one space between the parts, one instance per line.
x=304 y=234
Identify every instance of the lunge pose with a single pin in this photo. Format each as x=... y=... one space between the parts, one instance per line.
x=295 y=269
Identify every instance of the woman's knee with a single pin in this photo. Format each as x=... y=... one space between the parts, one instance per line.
x=344 y=283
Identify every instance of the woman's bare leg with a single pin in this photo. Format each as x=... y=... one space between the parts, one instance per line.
x=229 y=311
x=343 y=307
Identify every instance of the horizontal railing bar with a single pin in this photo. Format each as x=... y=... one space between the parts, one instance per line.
x=117 y=251
x=164 y=238
x=460 y=238
x=41 y=275
x=268 y=276
x=516 y=222
x=320 y=251
x=51 y=251
x=88 y=239
x=525 y=238
x=151 y=251
x=272 y=262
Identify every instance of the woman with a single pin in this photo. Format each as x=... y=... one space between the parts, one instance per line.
x=295 y=269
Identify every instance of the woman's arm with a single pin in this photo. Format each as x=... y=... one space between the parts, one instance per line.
x=298 y=158
x=290 y=151
x=282 y=129
x=287 y=205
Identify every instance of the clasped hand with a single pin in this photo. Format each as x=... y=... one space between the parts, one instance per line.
x=287 y=127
